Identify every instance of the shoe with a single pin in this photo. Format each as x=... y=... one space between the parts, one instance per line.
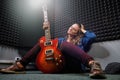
x=16 y=68
x=96 y=71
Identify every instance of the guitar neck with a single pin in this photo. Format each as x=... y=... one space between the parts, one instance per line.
x=47 y=31
x=47 y=35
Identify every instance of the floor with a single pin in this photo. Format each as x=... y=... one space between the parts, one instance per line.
x=37 y=75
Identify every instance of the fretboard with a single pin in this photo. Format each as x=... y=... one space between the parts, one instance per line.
x=47 y=31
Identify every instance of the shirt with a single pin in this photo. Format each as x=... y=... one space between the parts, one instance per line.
x=85 y=41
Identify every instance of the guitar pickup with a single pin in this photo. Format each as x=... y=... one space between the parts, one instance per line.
x=48 y=43
x=49 y=52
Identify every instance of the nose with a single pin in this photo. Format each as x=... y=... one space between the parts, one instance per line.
x=70 y=28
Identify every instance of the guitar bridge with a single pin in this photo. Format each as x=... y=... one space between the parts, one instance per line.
x=49 y=59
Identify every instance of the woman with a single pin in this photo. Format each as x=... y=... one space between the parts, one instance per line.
x=75 y=45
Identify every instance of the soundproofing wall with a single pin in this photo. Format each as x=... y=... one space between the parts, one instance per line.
x=100 y=16
x=21 y=23
x=10 y=25
x=22 y=27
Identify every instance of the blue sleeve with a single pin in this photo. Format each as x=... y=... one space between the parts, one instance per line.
x=87 y=40
x=60 y=40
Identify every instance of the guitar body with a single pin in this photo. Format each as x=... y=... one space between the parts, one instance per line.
x=49 y=59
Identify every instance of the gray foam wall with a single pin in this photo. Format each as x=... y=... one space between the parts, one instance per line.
x=106 y=52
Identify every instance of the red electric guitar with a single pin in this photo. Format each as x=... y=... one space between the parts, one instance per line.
x=49 y=59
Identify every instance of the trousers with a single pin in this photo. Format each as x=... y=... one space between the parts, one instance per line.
x=73 y=55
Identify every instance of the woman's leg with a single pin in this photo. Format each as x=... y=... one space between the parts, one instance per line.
x=75 y=52
x=30 y=55
x=19 y=66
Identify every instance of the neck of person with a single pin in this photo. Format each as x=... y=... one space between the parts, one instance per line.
x=70 y=37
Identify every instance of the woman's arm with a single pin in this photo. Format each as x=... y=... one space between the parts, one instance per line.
x=88 y=38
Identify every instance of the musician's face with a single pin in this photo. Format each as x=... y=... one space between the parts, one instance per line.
x=73 y=30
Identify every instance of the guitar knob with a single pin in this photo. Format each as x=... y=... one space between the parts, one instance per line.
x=57 y=64
x=60 y=61
x=59 y=55
x=56 y=59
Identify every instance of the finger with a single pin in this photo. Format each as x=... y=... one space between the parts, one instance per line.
x=82 y=26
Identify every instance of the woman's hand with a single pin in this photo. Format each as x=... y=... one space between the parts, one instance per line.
x=46 y=25
x=83 y=28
